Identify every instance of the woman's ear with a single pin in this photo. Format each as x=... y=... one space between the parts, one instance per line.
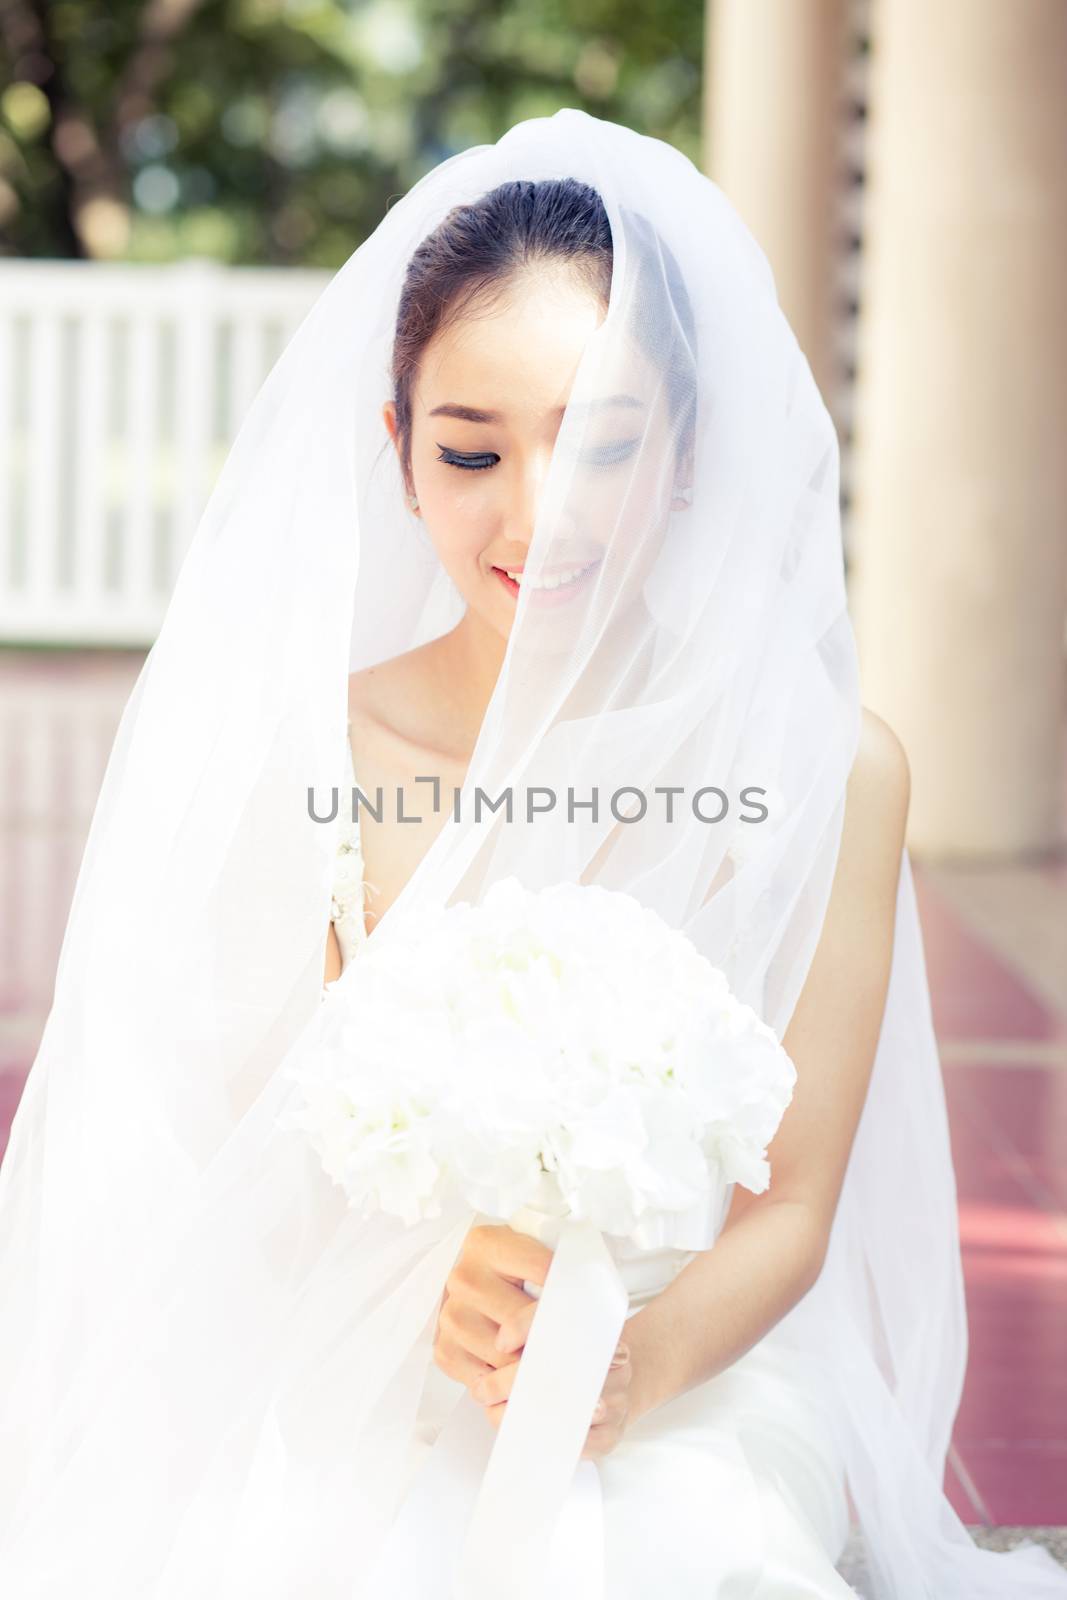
x=389 y=418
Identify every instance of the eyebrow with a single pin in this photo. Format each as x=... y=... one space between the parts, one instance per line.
x=475 y=414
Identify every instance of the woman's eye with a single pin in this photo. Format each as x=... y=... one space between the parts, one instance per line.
x=476 y=463
x=607 y=455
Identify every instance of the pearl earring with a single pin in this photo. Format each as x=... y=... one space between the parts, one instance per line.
x=413 y=501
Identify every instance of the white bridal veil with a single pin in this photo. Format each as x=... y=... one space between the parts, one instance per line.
x=209 y=1369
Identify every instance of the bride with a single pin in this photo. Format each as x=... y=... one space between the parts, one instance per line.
x=546 y=480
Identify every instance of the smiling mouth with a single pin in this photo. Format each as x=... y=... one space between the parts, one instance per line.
x=550 y=580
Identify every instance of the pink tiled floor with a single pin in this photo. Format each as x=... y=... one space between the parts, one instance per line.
x=1009 y=1120
x=973 y=994
x=1009 y=1136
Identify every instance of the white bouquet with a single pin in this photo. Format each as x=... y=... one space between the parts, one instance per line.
x=567 y=1062
x=570 y=1031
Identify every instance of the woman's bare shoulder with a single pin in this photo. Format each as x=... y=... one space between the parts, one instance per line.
x=876 y=816
x=879 y=785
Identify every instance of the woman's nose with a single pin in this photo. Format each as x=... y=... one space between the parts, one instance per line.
x=524 y=495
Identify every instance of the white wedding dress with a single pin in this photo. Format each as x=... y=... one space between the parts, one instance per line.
x=731 y=1491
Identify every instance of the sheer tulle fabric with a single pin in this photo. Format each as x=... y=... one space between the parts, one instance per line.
x=210 y=1369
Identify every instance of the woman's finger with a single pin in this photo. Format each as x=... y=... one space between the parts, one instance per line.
x=465 y=1345
x=618 y=1377
x=610 y=1415
x=465 y=1368
x=515 y=1328
x=470 y=1328
x=494 y=1385
x=515 y=1256
x=472 y=1282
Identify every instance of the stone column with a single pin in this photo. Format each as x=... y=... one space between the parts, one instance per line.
x=771 y=115
x=959 y=532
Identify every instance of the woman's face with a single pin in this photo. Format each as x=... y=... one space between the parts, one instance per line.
x=487 y=404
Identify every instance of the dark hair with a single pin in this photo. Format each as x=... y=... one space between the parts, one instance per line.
x=478 y=248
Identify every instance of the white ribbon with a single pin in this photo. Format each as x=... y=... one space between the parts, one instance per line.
x=546 y=1421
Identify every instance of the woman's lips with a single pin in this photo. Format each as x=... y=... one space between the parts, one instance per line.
x=550 y=597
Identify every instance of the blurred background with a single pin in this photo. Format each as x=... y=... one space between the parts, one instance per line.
x=178 y=178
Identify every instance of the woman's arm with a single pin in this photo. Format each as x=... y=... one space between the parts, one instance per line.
x=772 y=1246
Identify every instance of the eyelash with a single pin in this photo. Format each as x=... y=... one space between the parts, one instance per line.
x=468 y=463
x=609 y=456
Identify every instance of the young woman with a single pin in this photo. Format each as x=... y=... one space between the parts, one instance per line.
x=546 y=472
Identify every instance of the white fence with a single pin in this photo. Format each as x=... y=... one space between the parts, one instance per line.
x=121 y=389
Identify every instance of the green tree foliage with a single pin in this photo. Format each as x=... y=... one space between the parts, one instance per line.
x=279 y=130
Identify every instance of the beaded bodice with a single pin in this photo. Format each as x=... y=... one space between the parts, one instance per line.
x=347 y=910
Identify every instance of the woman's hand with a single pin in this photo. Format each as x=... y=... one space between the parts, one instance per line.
x=484 y=1297
x=610 y=1414
x=485 y=1319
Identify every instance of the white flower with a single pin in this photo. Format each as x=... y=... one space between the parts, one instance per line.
x=570 y=1031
